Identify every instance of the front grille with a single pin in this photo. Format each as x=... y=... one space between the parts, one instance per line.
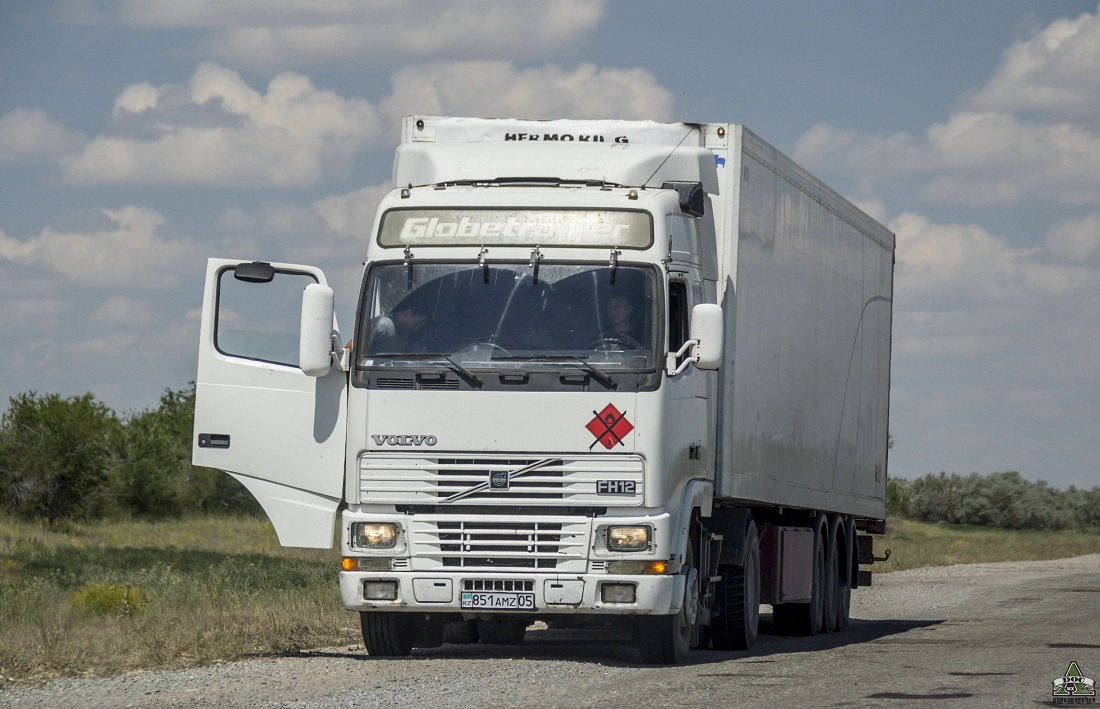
x=449 y=543
x=498 y=585
x=420 y=382
x=388 y=383
x=485 y=544
x=404 y=479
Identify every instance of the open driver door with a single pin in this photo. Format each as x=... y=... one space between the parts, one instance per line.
x=258 y=417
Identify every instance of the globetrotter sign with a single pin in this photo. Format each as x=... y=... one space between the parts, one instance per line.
x=545 y=227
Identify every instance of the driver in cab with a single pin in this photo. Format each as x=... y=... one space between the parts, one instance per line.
x=620 y=314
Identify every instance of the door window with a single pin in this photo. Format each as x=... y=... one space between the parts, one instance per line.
x=260 y=320
x=677 y=315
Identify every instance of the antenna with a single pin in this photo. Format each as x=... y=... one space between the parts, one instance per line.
x=670 y=154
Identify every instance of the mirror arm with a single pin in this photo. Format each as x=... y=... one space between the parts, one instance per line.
x=341 y=356
x=670 y=359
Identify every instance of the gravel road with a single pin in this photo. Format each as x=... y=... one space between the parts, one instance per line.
x=979 y=635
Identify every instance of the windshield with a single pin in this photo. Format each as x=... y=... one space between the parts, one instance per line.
x=503 y=316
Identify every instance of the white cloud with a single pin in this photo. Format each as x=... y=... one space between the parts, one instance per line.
x=127 y=253
x=1055 y=72
x=976 y=159
x=994 y=356
x=120 y=311
x=30 y=135
x=217 y=130
x=352 y=214
x=1076 y=240
x=1031 y=134
x=278 y=33
x=500 y=89
x=950 y=266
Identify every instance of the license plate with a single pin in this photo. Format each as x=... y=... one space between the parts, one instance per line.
x=498 y=601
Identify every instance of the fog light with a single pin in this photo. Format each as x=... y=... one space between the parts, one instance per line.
x=617 y=593
x=367 y=535
x=633 y=538
x=380 y=590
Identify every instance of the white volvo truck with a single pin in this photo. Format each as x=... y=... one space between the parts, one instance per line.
x=600 y=371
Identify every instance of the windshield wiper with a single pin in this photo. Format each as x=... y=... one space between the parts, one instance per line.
x=599 y=376
x=456 y=367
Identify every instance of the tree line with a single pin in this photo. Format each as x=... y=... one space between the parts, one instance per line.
x=75 y=458
x=1005 y=500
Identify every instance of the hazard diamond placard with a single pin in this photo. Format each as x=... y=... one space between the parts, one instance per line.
x=609 y=427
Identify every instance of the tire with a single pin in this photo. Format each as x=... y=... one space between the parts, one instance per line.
x=807 y=618
x=845 y=554
x=736 y=621
x=461 y=632
x=387 y=634
x=501 y=631
x=832 y=575
x=666 y=639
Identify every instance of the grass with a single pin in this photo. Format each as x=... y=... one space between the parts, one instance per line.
x=106 y=598
x=916 y=544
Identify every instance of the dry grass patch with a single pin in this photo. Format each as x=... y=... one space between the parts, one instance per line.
x=917 y=544
x=112 y=597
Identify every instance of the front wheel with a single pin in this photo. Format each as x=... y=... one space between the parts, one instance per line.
x=666 y=639
x=387 y=634
x=736 y=622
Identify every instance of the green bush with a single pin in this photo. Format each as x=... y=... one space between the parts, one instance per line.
x=1005 y=500
x=102 y=598
x=55 y=456
x=74 y=458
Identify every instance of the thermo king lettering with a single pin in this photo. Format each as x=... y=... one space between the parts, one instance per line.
x=562 y=137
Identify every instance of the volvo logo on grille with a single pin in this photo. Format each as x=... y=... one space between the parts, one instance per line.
x=386 y=440
x=498 y=480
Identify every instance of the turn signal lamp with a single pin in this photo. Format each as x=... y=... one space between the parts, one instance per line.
x=632 y=538
x=637 y=567
x=359 y=563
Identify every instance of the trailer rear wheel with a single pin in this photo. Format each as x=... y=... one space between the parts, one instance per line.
x=737 y=600
x=666 y=639
x=807 y=618
x=388 y=634
x=832 y=574
x=845 y=556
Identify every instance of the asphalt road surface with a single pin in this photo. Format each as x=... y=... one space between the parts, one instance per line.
x=985 y=635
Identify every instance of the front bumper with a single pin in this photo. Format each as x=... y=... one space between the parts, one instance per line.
x=441 y=592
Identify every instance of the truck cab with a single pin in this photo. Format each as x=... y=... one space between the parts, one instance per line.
x=523 y=422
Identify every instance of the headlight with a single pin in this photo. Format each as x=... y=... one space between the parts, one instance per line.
x=633 y=538
x=374 y=535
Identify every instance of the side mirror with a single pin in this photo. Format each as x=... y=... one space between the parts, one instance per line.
x=707 y=328
x=315 y=345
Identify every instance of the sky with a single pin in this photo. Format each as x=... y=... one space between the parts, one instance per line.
x=140 y=137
